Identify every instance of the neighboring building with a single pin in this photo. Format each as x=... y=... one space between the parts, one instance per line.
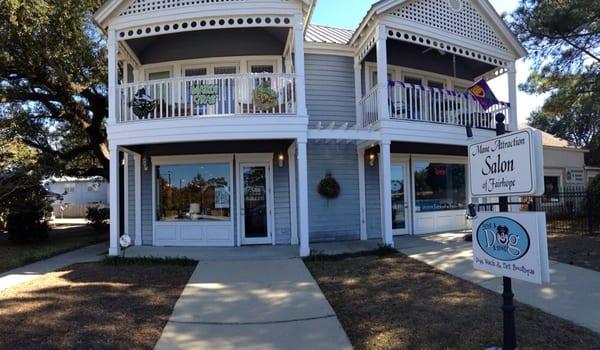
x=591 y=172
x=230 y=113
x=76 y=194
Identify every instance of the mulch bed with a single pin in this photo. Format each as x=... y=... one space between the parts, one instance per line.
x=575 y=249
x=396 y=302
x=92 y=306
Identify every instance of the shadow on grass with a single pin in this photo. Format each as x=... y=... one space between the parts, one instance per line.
x=92 y=306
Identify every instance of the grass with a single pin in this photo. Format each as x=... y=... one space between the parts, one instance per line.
x=93 y=306
x=395 y=302
x=114 y=260
x=61 y=240
x=575 y=249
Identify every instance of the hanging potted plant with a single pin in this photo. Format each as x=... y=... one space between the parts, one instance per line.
x=265 y=98
x=329 y=187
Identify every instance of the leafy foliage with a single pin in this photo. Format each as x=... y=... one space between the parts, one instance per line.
x=98 y=217
x=52 y=83
x=563 y=38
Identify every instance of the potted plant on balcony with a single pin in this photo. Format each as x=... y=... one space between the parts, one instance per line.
x=265 y=98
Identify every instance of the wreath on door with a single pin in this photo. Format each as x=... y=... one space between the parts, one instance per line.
x=329 y=187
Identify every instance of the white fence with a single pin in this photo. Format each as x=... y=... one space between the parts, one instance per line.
x=215 y=95
x=70 y=211
x=414 y=102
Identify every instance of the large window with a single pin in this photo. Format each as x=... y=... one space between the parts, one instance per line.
x=440 y=186
x=551 y=188
x=192 y=192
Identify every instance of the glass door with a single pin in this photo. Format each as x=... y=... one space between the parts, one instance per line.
x=255 y=204
x=400 y=198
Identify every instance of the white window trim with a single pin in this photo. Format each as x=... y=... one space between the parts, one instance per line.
x=276 y=63
x=399 y=72
x=158 y=69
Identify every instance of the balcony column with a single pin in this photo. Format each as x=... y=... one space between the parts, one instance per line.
x=303 y=197
x=512 y=96
x=385 y=178
x=299 y=65
x=115 y=221
x=358 y=91
x=113 y=76
x=382 y=83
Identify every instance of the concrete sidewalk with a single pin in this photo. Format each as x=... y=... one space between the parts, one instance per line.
x=28 y=272
x=256 y=304
x=573 y=294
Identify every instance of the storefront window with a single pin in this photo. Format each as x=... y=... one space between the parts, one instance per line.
x=440 y=186
x=193 y=192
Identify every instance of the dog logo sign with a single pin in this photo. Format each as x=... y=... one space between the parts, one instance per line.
x=503 y=238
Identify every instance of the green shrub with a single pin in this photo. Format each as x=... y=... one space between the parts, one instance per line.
x=27 y=226
x=98 y=217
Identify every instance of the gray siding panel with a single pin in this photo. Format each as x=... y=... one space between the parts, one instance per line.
x=336 y=219
x=330 y=88
x=372 y=200
x=281 y=195
x=131 y=197
x=147 y=207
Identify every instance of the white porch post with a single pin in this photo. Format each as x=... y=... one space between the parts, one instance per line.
x=512 y=96
x=358 y=91
x=385 y=177
x=362 y=193
x=115 y=229
x=303 y=198
x=113 y=75
x=293 y=195
x=382 y=82
x=299 y=65
x=137 y=160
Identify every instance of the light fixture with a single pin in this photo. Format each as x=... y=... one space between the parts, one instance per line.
x=469 y=131
x=146 y=163
x=372 y=159
x=280 y=159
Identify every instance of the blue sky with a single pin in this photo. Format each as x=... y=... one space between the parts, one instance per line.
x=351 y=12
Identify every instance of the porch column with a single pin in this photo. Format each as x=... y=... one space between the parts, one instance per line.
x=303 y=198
x=512 y=96
x=137 y=160
x=385 y=177
x=358 y=91
x=382 y=73
x=115 y=228
x=113 y=76
x=293 y=196
x=299 y=65
x=362 y=193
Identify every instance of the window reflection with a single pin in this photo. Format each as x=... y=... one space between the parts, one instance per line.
x=440 y=186
x=192 y=192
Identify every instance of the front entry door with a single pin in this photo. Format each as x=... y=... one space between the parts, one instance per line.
x=400 y=198
x=255 y=204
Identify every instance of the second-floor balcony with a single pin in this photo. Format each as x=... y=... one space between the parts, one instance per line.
x=269 y=94
x=428 y=104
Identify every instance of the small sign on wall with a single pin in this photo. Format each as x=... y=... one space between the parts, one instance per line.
x=575 y=176
x=512 y=245
x=507 y=165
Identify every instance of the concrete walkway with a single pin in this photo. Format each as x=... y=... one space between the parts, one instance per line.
x=254 y=304
x=28 y=272
x=573 y=294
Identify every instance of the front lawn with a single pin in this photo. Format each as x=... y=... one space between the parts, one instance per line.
x=395 y=302
x=575 y=249
x=93 y=306
x=62 y=239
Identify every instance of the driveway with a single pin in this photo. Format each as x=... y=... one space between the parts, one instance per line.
x=573 y=293
x=256 y=304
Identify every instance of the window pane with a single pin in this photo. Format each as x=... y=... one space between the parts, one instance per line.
x=435 y=84
x=262 y=68
x=192 y=192
x=412 y=80
x=440 y=186
x=195 y=72
x=159 y=75
x=226 y=70
x=551 y=188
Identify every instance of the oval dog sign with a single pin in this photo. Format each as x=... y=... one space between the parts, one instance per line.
x=503 y=238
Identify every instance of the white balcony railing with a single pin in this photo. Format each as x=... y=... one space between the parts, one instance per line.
x=203 y=96
x=414 y=102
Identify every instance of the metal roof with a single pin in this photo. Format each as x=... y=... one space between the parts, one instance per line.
x=316 y=33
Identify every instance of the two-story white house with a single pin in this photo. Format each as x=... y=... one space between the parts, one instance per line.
x=229 y=114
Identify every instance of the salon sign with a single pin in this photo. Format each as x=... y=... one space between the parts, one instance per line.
x=507 y=165
x=512 y=245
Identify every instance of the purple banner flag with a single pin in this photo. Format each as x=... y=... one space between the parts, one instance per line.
x=483 y=94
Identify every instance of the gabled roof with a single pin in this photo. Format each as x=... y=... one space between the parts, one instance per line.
x=384 y=6
x=550 y=140
x=316 y=33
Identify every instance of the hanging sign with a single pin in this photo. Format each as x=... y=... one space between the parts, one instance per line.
x=507 y=165
x=483 y=94
x=205 y=94
x=512 y=245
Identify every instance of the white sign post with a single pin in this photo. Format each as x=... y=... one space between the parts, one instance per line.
x=507 y=165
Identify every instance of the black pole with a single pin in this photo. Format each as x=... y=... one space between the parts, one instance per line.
x=508 y=308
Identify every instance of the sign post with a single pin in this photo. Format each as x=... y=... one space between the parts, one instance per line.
x=512 y=245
